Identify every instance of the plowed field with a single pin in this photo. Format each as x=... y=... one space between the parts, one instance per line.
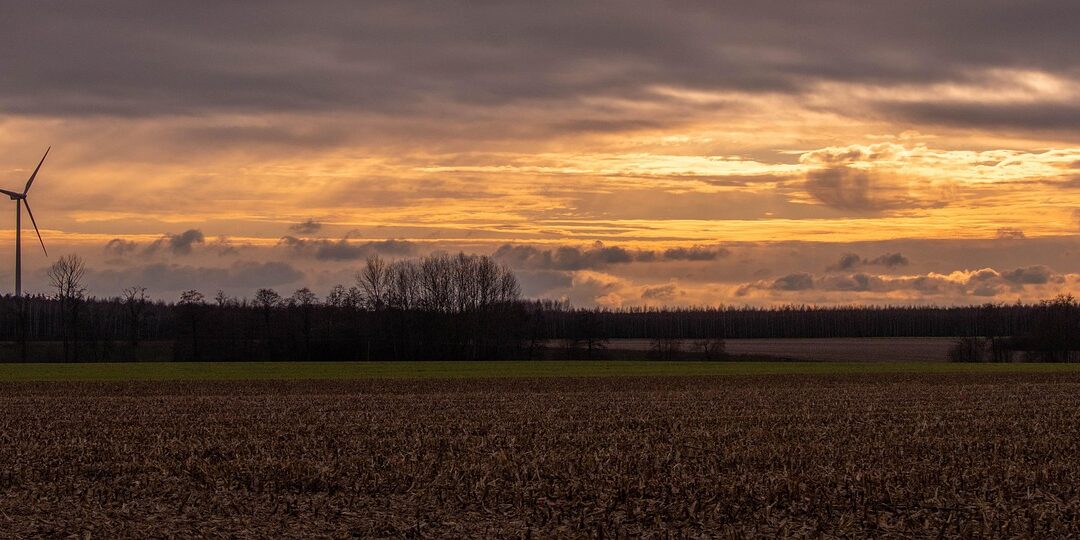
x=902 y=454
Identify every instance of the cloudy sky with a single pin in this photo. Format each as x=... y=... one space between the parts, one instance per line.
x=613 y=153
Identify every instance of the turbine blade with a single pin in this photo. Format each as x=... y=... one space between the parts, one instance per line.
x=31 y=214
x=32 y=176
x=11 y=193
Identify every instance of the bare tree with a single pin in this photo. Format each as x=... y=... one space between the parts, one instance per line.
x=67 y=276
x=465 y=283
x=374 y=280
x=509 y=289
x=192 y=303
x=192 y=297
x=304 y=297
x=267 y=300
x=967 y=349
x=224 y=300
x=711 y=348
x=305 y=300
x=338 y=297
x=404 y=285
x=436 y=283
x=135 y=301
x=342 y=298
x=666 y=348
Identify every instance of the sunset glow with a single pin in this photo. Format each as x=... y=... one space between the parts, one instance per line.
x=772 y=141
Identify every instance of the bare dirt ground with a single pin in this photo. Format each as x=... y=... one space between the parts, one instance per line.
x=881 y=455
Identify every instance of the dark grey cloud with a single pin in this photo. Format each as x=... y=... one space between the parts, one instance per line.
x=847 y=262
x=841 y=187
x=178 y=244
x=308 y=226
x=695 y=253
x=125 y=57
x=889 y=260
x=1030 y=275
x=160 y=278
x=119 y=247
x=929 y=285
x=562 y=258
x=647 y=256
x=596 y=125
x=281 y=135
x=980 y=283
x=850 y=261
x=660 y=292
x=858 y=190
x=569 y=258
x=653 y=203
x=346 y=249
x=1038 y=116
x=543 y=283
x=793 y=282
x=853 y=282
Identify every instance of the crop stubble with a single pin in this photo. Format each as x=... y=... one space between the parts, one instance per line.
x=981 y=455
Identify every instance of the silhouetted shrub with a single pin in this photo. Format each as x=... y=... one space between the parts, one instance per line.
x=711 y=349
x=665 y=348
x=968 y=349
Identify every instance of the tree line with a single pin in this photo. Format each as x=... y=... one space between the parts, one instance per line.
x=1052 y=334
x=458 y=307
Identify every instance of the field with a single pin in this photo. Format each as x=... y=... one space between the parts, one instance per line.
x=887 y=349
x=856 y=454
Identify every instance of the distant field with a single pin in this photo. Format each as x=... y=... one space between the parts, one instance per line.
x=166 y=371
x=883 y=349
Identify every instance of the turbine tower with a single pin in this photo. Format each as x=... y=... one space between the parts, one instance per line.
x=20 y=199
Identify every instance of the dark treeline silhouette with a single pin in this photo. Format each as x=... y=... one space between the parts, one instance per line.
x=800 y=321
x=459 y=308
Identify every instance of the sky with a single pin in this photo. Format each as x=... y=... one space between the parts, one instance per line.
x=617 y=154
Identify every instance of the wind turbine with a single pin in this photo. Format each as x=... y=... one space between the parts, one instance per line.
x=20 y=199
